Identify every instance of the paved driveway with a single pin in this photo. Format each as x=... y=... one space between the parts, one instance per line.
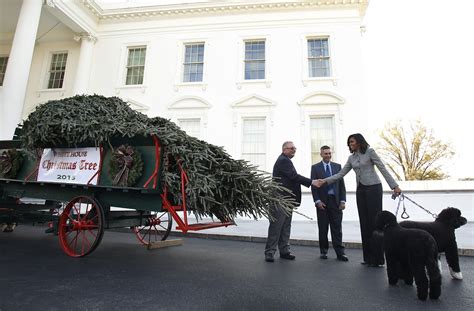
x=200 y=275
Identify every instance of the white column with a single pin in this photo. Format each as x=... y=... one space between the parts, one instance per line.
x=81 y=81
x=18 y=68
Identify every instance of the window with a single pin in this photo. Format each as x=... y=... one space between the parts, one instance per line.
x=192 y=127
x=193 y=62
x=318 y=58
x=57 y=70
x=322 y=133
x=254 y=60
x=253 y=141
x=3 y=68
x=135 y=65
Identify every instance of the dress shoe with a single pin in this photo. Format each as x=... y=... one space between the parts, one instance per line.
x=288 y=256
x=375 y=265
x=323 y=256
x=365 y=263
x=342 y=258
x=269 y=257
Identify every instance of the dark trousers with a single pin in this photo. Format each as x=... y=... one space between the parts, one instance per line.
x=369 y=204
x=331 y=216
x=279 y=232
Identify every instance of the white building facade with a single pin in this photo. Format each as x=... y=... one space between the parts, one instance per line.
x=245 y=75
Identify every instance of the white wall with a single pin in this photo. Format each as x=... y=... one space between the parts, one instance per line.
x=432 y=195
x=432 y=201
x=37 y=93
x=285 y=33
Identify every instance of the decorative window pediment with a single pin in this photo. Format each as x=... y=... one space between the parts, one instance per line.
x=322 y=98
x=135 y=105
x=254 y=101
x=191 y=102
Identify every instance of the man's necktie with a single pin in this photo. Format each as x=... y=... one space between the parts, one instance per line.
x=328 y=174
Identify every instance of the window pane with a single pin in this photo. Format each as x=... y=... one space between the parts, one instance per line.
x=192 y=127
x=254 y=141
x=135 y=65
x=318 y=58
x=254 y=60
x=321 y=133
x=193 y=66
x=57 y=70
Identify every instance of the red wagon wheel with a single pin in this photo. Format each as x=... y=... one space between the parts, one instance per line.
x=81 y=226
x=157 y=228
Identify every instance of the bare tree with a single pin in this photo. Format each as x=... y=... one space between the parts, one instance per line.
x=414 y=154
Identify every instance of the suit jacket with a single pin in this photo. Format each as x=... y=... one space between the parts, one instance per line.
x=321 y=194
x=364 y=168
x=286 y=175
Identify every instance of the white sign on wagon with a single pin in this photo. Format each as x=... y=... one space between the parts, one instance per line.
x=70 y=165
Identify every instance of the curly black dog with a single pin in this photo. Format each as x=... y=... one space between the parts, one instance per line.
x=410 y=253
x=442 y=230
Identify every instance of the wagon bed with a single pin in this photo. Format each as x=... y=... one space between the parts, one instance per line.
x=79 y=213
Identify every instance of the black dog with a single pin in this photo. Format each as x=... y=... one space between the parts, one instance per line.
x=408 y=252
x=442 y=230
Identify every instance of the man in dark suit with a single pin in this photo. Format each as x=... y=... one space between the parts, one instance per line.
x=280 y=227
x=330 y=201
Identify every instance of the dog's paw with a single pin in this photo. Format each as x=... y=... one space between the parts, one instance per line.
x=9 y=227
x=455 y=275
x=422 y=296
x=440 y=265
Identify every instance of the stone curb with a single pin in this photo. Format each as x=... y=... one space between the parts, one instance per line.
x=468 y=252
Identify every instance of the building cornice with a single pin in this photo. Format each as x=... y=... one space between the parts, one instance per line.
x=72 y=16
x=212 y=8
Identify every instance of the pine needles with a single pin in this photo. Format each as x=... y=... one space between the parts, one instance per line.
x=218 y=185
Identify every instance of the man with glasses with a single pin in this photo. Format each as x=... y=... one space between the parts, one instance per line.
x=280 y=227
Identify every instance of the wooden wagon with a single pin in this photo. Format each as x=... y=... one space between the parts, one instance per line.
x=79 y=212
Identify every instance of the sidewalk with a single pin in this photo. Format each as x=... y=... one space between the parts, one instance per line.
x=306 y=233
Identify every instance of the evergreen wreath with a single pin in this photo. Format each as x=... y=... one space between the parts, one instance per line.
x=125 y=166
x=10 y=163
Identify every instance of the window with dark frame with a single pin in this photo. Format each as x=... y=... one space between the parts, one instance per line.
x=255 y=60
x=193 y=65
x=135 y=65
x=57 y=70
x=318 y=58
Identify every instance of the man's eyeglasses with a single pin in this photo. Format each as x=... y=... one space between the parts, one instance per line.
x=292 y=148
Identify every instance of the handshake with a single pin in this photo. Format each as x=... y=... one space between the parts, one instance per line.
x=318 y=183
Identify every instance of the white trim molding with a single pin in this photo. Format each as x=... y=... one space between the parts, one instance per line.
x=252 y=106
x=191 y=107
x=122 y=70
x=72 y=14
x=128 y=11
x=136 y=105
x=81 y=36
x=319 y=104
x=241 y=61
x=305 y=78
x=180 y=46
